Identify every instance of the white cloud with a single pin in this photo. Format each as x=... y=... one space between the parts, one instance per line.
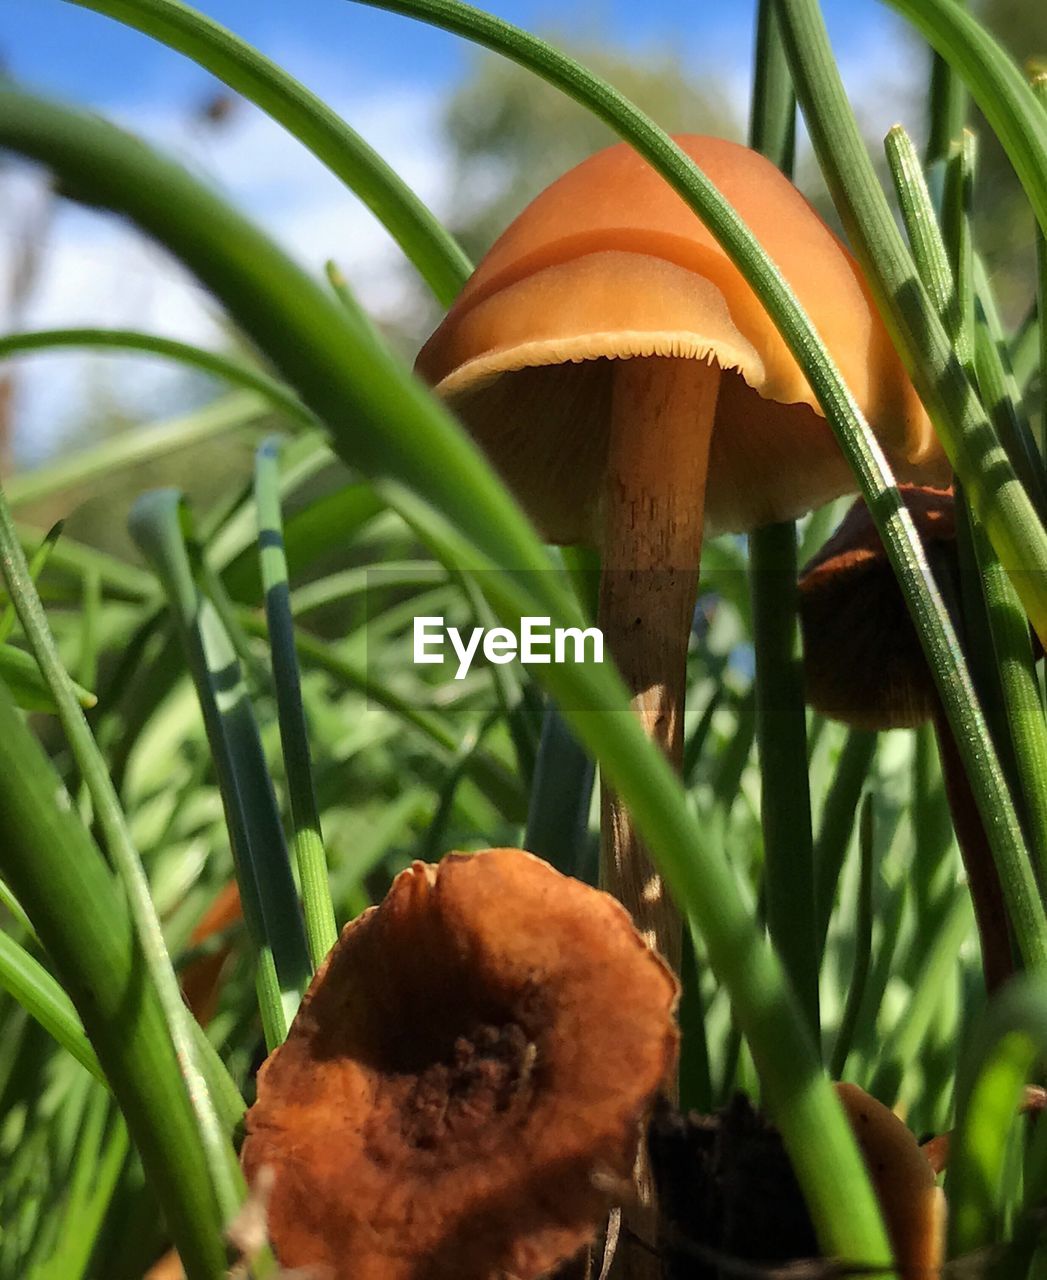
x=99 y=271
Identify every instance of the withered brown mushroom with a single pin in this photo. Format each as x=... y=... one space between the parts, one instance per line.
x=467 y=1074
x=631 y=389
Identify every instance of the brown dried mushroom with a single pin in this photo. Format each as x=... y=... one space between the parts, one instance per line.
x=471 y=1066
x=631 y=389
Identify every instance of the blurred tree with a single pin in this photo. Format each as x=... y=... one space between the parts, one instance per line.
x=511 y=134
x=1004 y=220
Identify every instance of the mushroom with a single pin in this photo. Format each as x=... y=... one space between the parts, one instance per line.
x=632 y=391
x=864 y=666
x=912 y=1204
x=467 y=1076
x=729 y=1190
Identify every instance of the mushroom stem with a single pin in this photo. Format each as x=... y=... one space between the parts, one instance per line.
x=661 y=425
x=983 y=879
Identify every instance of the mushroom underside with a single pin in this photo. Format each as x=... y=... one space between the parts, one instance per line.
x=545 y=431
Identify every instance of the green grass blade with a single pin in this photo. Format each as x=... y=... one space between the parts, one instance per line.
x=781 y=725
x=433 y=250
x=1039 y=86
x=837 y=821
x=1011 y=1038
x=70 y=559
x=26 y=979
x=131 y=448
x=224 y=1171
x=80 y=915
x=132 y=341
x=938 y=969
x=27 y=686
x=1000 y=392
x=781 y=728
x=772 y=121
x=921 y=226
x=307 y=840
x=263 y=868
x=385 y=423
x=863 y=928
x=100 y=1159
x=946 y=108
x=37 y=562
x=561 y=795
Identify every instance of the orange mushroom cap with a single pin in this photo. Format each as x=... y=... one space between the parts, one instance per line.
x=470 y=1055
x=610 y=263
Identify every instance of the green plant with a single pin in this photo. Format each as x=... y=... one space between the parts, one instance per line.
x=377 y=509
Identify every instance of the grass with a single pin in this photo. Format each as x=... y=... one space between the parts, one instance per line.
x=255 y=679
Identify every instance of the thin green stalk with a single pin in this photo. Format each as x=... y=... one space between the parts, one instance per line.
x=158 y=525
x=81 y=916
x=438 y=257
x=938 y=969
x=195 y=1067
x=1000 y=392
x=772 y=117
x=28 y=687
x=347 y=584
x=307 y=840
x=26 y=979
x=834 y=834
x=946 y=108
x=76 y=559
x=862 y=933
x=958 y=244
x=1039 y=86
x=943 y=258
x=781 y=725
x=561 y=795
x=15 y=910
x=220 y=418
x=37 y=562
x=996 y=84
x=385 y=423
x=90 y=620
x=921 y=224
x=131 y=340
x=1010 y=1039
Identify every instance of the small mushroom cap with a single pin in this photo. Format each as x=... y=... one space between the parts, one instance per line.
x=474 y=1055
x=912 y=1204
x=862 y=657
x=609 y=263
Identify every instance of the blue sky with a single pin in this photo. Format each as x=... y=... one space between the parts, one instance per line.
x=59 y=47
x=388 y=76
